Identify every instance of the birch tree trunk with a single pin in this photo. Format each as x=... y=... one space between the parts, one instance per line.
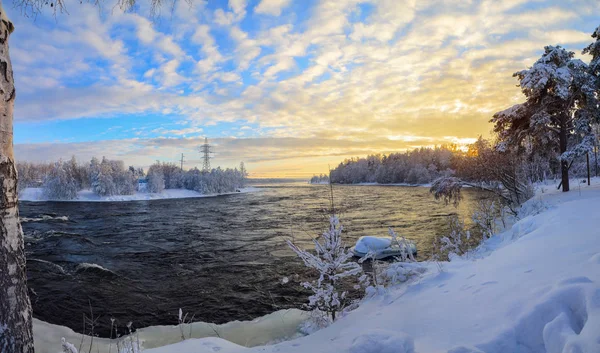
x=16 y=334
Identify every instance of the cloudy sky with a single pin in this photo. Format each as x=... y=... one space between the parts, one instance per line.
x=289 y=87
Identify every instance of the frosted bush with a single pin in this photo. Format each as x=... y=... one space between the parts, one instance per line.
x=332 y=262
x=385 y=274
x=485 y=217
x=68 y=347
x=456 y=243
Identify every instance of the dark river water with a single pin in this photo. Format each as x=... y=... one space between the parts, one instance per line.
x=219 y=258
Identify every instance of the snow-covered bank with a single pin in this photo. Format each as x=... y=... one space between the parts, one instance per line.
x=36 y=194
x=533 y=289
x=270 y=328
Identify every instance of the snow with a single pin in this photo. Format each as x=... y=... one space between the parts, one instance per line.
x=36 y=194
x=368 y=243
x=533 y=289
x=270 y=328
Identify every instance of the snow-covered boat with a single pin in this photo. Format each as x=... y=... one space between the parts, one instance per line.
x=382 y=247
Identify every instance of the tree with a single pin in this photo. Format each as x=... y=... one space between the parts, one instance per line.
x=156 y=179
x=558 y=111
x=60 y=184
x=16 y=334
x=243 y=173
x=332 y=262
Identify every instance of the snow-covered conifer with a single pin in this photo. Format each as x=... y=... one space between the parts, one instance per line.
x=561 y=102
x=333 y=264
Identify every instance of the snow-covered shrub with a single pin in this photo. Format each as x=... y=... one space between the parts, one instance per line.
x=457 y=241
x=59 y=184
x=67 y=347
x=332 y=262
x=400 y=272
x=384 y=274
x=130 y=343
x=405 y=246
x=485 y=217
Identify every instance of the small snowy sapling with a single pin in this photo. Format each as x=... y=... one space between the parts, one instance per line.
x=333 y=264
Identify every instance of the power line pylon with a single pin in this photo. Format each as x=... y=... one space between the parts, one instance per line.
x=206 y=150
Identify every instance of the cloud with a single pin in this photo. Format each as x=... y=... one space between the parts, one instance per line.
x=271 y=7
x=346 y=76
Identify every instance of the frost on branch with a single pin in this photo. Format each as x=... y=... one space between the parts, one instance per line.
x=485 y=217
x=332 y=262
x=456 y=243
x=68 y=347
x=447 y=189
x=405 y=245
x=386 y=274
x=594 y=50
x=549 y=73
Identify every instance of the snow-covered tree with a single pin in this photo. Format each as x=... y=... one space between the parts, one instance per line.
x=561 y=103
x=156 y=180
x=16 y=323
x=320 y=179
x=60 y=184
x=594 y=50
x=332 y=262
x=243 y=174
x=15 y=308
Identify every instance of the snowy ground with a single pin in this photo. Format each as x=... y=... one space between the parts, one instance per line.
x=36 y=194
x=533 y=289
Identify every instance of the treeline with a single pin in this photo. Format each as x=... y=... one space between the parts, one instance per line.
x=479 y=162
x=320 y=179
x=419 y=166
x=62 y=180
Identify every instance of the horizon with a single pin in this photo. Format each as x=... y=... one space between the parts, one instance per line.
x=289 y=88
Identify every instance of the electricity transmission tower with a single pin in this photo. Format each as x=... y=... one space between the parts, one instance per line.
x=206 y=150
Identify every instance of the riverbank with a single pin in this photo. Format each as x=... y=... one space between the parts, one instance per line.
x=37 y=195
x=536 y=285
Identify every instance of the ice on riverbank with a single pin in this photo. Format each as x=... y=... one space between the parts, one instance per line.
x=36 y=194
x=268 y=329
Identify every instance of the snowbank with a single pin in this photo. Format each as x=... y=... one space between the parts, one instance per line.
x=36 y=194
x=270 y=328
x=532 y=289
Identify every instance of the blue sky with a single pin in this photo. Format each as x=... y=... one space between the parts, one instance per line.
x=289 y=87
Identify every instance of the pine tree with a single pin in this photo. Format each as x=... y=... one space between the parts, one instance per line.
x=558 y=111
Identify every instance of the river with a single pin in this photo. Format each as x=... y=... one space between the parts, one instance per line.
x=218 y=258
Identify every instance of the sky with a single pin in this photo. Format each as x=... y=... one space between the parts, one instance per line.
x=288 y=87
